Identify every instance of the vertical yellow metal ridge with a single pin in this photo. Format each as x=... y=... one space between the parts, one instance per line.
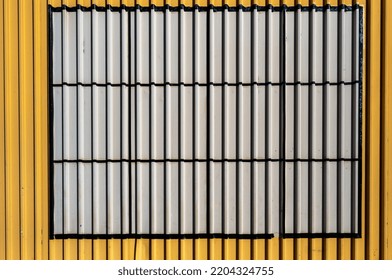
x=12 y=140
x=2 y=137
x=374 y=125
x=359 y=243
x=41 y=129
x=387 y=131
x=26 y=129
x=344 y=244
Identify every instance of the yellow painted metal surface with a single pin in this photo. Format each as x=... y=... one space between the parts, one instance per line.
x=2 y=137
x=372 y=230
x=26 y=129
x=12 y=129
x=24 y=147
x=386 y=180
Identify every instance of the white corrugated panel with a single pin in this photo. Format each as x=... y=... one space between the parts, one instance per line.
x=205 y=122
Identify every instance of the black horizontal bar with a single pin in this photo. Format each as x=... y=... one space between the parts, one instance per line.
x=207 y=84
x=164 y=236
x=204 y=235
x=206 y=8
x=203 y=160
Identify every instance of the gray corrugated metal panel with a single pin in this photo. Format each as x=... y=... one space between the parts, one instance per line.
x=57 y=121
x=126 y=194
x=70 y=136
x=187 y=210
x=85 y=198
x=230 y=151
x=99 y=219
x=70 y=210
x=57 y=49
x=158 y=193
x=58 y=198
x=84 y=47
x=85 y=107
x=187 y=44
x=113 y=44
x=99 y=47
x=99 y=121
x=69 y=47
x=187 y=123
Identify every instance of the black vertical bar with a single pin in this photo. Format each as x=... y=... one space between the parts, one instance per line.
x=121 y=125
x=310 y=137
x=150 y=127
x=282 y=122
x=208 y=219
x=267 y=111
x=353 y=119
x=77 y=129
x=92 y=125
x=353 y=116
x=360 y=57
x=339 y=124
x=324 y=120
x=62 y=117
x=165 y=130
x=121 y=134
x=310 y=111
x=129 y=124
x=179 y=130
x=296 y=128
x=193 y=127
x=237 y=126
x=136 y=119
x=354 y=180
x=223 y=126
x=51 y=117
x=106 y=127
x=252 y=124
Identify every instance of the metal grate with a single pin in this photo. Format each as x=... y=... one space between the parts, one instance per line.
x=214 y=122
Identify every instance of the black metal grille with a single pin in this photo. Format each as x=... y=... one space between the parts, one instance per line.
x=166 y=133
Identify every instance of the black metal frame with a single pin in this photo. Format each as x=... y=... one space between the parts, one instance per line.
x=282 y=158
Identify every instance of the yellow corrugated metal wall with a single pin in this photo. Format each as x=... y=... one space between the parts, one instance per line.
x=24 y=189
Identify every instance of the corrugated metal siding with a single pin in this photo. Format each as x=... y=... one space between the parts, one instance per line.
x=24 y=184
x=248 y=127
